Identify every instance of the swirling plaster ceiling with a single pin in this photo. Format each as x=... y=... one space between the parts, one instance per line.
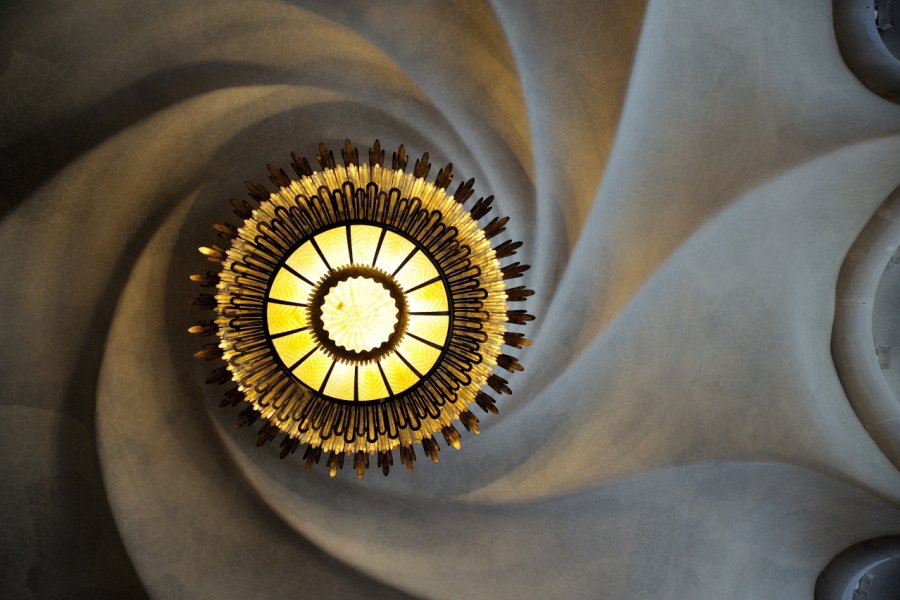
x=688 y=175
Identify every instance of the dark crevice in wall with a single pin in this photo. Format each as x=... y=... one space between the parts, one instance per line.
x=26 y=163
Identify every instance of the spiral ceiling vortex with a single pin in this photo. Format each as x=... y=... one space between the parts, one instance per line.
x=688 y=177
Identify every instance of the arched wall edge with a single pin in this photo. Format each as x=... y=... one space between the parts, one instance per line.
x=852 y=341
x=863 y=50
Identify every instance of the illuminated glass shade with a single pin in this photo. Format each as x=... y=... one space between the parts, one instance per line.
x=361 y=309
x=358 y=314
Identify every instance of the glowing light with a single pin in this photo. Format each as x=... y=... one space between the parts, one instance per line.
x=361 y=309
x=359 y=314
x=334 y=308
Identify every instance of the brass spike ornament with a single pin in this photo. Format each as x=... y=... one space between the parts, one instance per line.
x=361 y=309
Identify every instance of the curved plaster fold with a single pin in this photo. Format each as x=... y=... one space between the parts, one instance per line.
x=687 y=175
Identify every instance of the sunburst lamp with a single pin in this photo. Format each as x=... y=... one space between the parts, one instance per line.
x=361 y=310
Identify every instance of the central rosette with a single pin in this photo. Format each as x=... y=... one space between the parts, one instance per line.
x=360 y=314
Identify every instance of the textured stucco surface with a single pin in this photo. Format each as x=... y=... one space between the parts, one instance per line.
x=688 y=176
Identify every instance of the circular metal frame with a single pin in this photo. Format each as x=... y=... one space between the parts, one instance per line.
x=452 y=300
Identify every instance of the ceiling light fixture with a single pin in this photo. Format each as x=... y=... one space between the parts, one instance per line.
x=361 y=309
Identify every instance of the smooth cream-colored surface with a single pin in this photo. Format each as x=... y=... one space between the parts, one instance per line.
x=359 y=314
x=688 y=177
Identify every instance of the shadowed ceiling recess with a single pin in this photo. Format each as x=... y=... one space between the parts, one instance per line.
x=361 y=309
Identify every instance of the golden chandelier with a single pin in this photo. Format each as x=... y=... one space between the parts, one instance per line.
x=361 y=309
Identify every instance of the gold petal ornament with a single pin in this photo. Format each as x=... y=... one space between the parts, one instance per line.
x=361 y=310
